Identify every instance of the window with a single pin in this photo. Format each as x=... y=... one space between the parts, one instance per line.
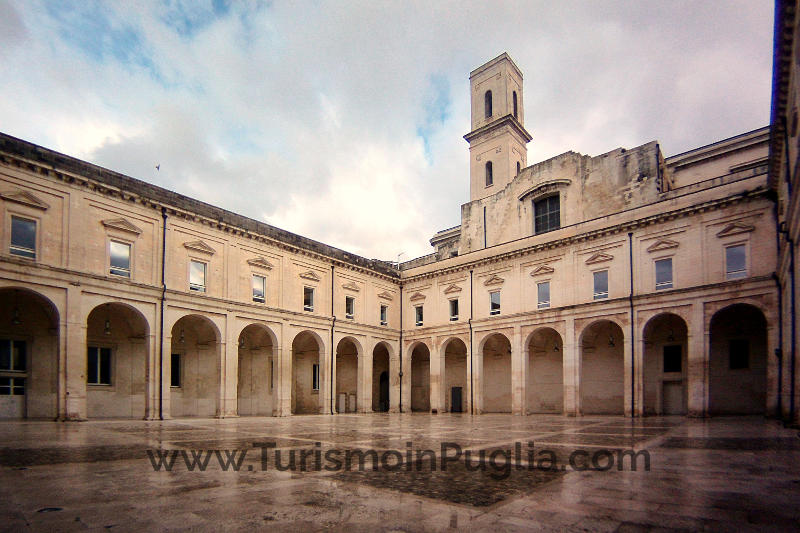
x=739 y=354
x=315 y=377
x=543 y=293
x=12 y=355
x=175 y=370
x=384 y=313
x=487 y=104
x=120 y=258
x=197 y=276
x=454 y=309
x=546 y=214
x=601 y=285
x=418 y=315
x=308 y=299
x=259 y=288
x=735 y=266
x=519 y=167
x=23 y=237
x=664 y=274
x=99 y=366
x=672 y=358
x=489 y=178
x=12 y=386
x=349 y=307
x=494 y=303
x=514 y=101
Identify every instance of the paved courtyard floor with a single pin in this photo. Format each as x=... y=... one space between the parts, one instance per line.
x=537 y=473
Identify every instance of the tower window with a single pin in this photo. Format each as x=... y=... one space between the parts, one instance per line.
x=489 y=178
x=519 y=167
x=514 y=99
x=547 y=214
x=487 y=104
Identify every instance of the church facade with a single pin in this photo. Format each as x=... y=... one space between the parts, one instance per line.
x=627 y=283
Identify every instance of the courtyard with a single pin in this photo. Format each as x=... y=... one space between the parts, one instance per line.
x=726 y=473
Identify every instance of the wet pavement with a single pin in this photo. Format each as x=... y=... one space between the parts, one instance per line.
x=409 y=472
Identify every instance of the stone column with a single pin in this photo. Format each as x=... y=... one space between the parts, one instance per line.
x=151 y=376
x=436 y=370
x=406 y=381
x=477 y=383
x=518 y=374
x=394 y=381
x=327 y=365
x=697 y=358
x=364 y=398
x=229 y=369
x=74 y=360
x=570 y=353
x=284 y=381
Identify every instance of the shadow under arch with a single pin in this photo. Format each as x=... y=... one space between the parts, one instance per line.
x=602 y=381
x=349 y=358
x=665 y=365
x=194 y=366
x=308 y=349
x=455 y=372
x=255 y=384
x=545 y=378
x=495 y=350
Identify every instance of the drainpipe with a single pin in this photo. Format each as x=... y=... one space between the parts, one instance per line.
x=633 y=343
x=161 y=314
x=484 y=226
x=779 y=349
x=333 y=349
x=401 y=344
x=471 y=378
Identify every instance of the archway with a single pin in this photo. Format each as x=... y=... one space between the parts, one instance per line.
x=194 y=367
x=380 y=378
x=421 y=378
x=307 y=374
x=665 y=365
x=346 y=376
x=545 y=372
x=738 y=361
x=256 y=371
x=602 y=369
x=117 y=339
x=496 y=374
x=455 y=376
x=28 y=355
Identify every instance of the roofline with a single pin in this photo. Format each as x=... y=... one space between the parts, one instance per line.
x=741 y=140
x=783 y=40
x=492 y=62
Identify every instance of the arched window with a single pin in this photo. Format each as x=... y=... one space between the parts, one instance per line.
x=487 y=104
x=514 y=98
x=489 y=179
x=519 y=167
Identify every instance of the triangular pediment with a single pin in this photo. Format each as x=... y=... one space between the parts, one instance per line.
x=543 y=270
x=599 y=257
x=386 y=295
x=24 y=198
x=735 y=228
x=662 y=244
x=351 y=286
x=310 y=275
x=416 y=297
x=199 y=246
x=260 y=262
x=452 y=288
x=121 y=224
x=494 y=279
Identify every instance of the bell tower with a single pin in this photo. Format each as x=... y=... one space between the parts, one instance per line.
x=497 y=142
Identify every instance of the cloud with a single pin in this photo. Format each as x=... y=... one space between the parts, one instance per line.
x=344 y=121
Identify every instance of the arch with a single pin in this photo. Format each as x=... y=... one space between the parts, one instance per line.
x=487 y=104
x=489 y=175
x=602 y=368
x=420 y=381
x=545 y=380
x=29 y=336
x=194 y=366
x=118 y=355
x=665 y=365
x=256 y=370
x=381 y=361
x=495 y=350
x=308 y=350
x=737 y=362
x=348 y=359
x=514 y=103
x=454 y=351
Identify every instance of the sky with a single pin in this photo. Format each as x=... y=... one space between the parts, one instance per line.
x=343 y=121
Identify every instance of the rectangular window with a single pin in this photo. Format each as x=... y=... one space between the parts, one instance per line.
x=23 y=237
x=349 y=307
x=735 y=263
x=454 y=309
x=672 y=358
x=12 y=386
x=259 y=288
x=120 y=259
x=664 y=274
x=546 y=214
x=175 y=370
x=12 y=355
x=197 y=276
x=601 y=285
x=418 y=315
x=543 y=293
x=98 y=366
x=384 y=314
x=739 y=353
x=308 y=299
x=315 y=377
x=494 y=303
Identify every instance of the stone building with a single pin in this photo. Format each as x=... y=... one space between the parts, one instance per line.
x=624 y=283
